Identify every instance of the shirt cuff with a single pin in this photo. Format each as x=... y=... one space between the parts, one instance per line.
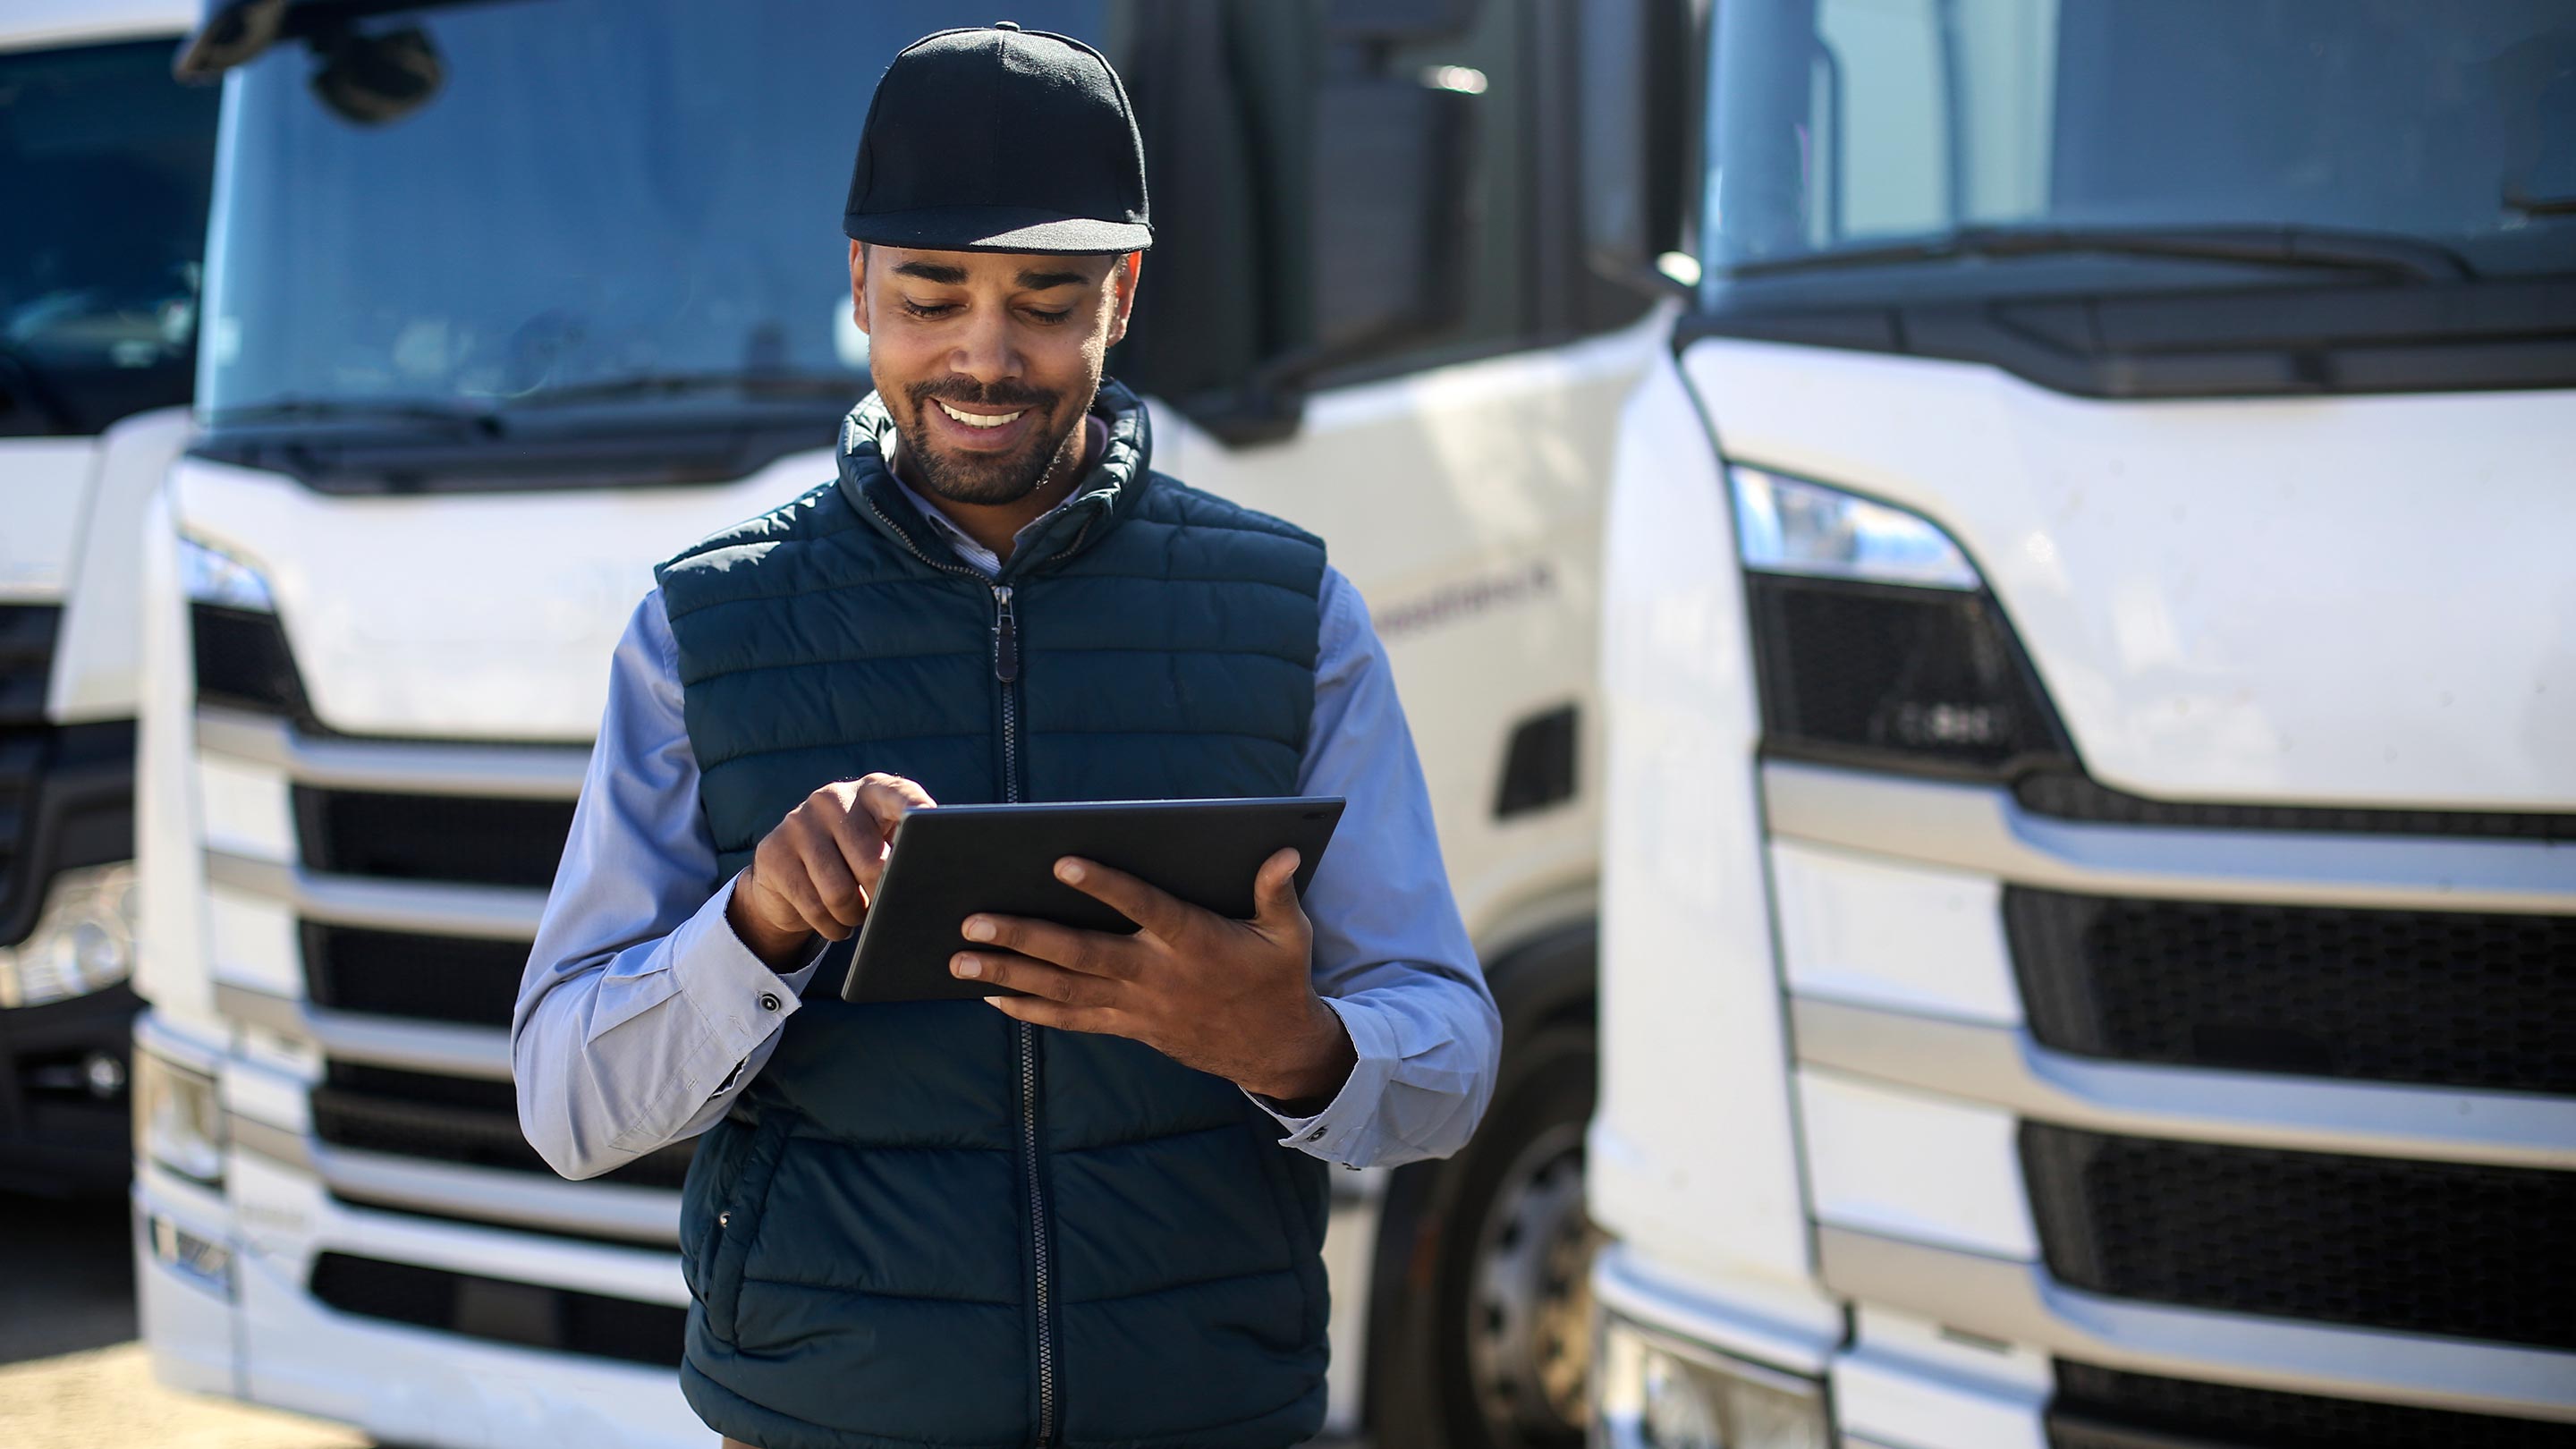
x=1345 y=1131
x=733 y=991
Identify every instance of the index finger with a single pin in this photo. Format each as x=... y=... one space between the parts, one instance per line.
x=1158 y=913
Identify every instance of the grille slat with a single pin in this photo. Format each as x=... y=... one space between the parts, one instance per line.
x=2071 y=796
x=465 y=839
x=2435 y=998
x=2101 y=1408
x=2422 y=1247
x=422 y=978
x=454 y=1119
x=501 y=1311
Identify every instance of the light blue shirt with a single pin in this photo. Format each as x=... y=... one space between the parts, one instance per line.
x=641 y=1014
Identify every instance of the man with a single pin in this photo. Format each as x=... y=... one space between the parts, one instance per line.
x=1087 y=1215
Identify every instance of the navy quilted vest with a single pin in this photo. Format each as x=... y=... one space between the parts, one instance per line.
x=928 y=1224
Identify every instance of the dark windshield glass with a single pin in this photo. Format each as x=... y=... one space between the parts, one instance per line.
x=1851 y=125
x=104 y=161
x=619 y=204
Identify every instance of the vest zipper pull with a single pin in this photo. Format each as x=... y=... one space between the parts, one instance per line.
x=1006 y=636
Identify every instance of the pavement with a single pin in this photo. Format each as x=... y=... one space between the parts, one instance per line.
x=72 y=1375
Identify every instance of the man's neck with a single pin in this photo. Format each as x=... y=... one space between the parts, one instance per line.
x=997 y=525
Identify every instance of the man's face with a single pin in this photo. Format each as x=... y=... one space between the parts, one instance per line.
x=988 y=360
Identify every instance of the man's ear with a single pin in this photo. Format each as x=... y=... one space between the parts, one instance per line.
x=1122 y=284
x=859 y=284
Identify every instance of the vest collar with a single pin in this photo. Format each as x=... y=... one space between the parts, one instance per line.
x=1103 y=497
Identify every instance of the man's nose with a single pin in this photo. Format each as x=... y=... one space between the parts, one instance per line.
x=985 y=352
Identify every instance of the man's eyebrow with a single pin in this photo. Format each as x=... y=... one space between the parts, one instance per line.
x=940 y=272
x=1035 y=281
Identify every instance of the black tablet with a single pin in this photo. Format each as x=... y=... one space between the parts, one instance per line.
x=954 y=861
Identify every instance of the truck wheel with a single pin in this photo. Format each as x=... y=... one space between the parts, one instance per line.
x=1497 y=1353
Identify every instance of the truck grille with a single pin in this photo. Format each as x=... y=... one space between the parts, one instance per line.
x=2446 y=1248
x=453 y=1119
x=2072 y=795
x=468 y=839
x=2440 y=998
x=501 y=1311
x=26 y=665
x=2100 y=1408
x=424 y=978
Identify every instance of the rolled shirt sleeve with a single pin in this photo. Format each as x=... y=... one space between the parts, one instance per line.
x=641 y=1013
x=1392 y=957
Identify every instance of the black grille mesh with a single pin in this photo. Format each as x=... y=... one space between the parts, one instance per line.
x=471 y=840
x=502 y=1311
x=2100 y=1408
x=26 y=660
x=1902 y=677
x=426 y=978
x=2072 y=796
x=453 y=1119
x=243 y=661
x=2443 y=998
x=2426 y=1247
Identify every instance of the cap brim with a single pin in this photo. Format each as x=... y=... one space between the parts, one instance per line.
x=997 y=229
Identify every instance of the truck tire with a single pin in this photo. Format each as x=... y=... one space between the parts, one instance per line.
x=1483 y=1286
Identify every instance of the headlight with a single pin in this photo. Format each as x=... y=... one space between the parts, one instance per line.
x=83 y=941
x=1876 y=641
x=208 y=575
x=1652 y=1391
x=178 y=1119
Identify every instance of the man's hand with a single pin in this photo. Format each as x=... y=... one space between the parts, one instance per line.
x=816 y=872
x=1228 y=997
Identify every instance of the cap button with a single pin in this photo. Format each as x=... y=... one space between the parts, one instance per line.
x=1006 y=25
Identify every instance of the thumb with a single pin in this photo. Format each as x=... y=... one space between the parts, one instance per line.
x=1274 y=894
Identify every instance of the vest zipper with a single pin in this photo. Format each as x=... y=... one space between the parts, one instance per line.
x=1006 y=672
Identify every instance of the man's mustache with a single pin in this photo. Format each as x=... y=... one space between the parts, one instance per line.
x=1002 y=396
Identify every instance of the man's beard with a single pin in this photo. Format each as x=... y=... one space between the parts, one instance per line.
x=977 y=478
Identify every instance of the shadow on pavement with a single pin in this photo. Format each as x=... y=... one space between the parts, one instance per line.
x=66 y=1276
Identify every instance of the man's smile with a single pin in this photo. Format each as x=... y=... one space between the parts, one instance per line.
x=979 y=420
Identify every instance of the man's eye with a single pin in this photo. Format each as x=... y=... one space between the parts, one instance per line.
x=1041 y=315
x=928 y=309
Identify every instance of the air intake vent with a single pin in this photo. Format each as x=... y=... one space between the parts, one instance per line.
x=453 y=1119
x=426 y=978
x=2100 y=1408
x=2423 y=1247
x=26 y=660
x=243 y=662
x=501 y=1311
x=2432 y=997
x=466 y=839
x=2071 y=796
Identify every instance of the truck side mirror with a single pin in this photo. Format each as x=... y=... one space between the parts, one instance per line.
x=1634 y=122
x=1387 y=213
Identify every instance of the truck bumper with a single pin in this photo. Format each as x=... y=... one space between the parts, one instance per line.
x=1704 y=1362
x=257 y=1332
x=61 y=1134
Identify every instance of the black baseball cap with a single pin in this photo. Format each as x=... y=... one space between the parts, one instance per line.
x=1000 y=139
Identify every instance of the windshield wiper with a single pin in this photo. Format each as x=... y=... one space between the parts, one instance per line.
x=834 y=385
x=461 y=417
x=2282 y=246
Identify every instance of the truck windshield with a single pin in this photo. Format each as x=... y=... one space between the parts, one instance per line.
x=104 y=165
x=599 y=207
x=1953 y=144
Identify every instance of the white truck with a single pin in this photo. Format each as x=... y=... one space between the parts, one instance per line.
x=2089 y=909
x=104 y=172
x=562 y=274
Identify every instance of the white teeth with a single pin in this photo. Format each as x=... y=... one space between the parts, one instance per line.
x=978 y=420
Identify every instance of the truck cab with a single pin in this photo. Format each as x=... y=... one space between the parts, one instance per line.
x=106 y=161
x=508 y=302
x=2089 y=910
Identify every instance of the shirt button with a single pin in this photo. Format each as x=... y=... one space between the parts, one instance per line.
x=769 y=1001
x=1315 y=1136
x=725 y=1219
